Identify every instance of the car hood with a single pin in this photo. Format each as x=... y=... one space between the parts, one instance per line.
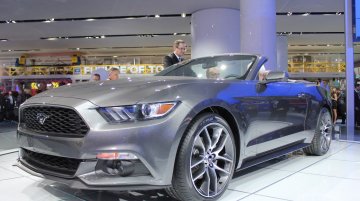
x=124 y=91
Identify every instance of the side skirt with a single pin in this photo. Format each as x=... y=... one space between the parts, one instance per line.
x=275 y=153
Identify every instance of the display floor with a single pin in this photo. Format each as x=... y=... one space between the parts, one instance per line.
x=333 y=177
x=295 y=177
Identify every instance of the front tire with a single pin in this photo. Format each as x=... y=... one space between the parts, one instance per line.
x=205 y=161
x=323 y=133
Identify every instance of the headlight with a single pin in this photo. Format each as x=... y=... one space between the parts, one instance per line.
x=137 y=112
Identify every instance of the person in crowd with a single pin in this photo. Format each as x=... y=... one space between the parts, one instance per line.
x=42 y=87
x=9 y=106
x=336 y=83
x=357 y=104
x=342 y=106
x=334 y=99
x=325 y=84
x=176 y=56
x=114 y=74
x=213 y=73
x=96 y=77
x=21 y=97
x=2 y=106
x=27 y=92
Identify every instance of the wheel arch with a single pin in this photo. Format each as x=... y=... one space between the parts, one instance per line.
x=228 y=117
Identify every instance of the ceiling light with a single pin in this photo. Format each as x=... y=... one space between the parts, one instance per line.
x=183 y=14
x=77 y=48
x=90 y=19
x=3 y=40
x=306 y=14
x=289 y=14
x=13 y=21
x=338 y=13
x=7 y=21
x=175 y=34
x=102 y=37
x=9 y=50
x=115 y=56
x=157 y=16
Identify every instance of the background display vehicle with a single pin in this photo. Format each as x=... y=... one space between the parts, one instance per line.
x=187 y=129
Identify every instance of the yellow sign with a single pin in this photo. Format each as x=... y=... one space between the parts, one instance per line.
x=55 y=84
x=34 y=85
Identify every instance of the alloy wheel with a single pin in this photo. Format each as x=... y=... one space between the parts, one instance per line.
x=325 y=131
x=212 y=160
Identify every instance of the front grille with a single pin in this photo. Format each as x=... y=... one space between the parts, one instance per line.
x=54 y=121
x=51 y=164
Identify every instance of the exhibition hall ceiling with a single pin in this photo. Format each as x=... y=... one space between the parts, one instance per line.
x=130 y=27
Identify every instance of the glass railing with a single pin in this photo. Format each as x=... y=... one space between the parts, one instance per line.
x=316 y=67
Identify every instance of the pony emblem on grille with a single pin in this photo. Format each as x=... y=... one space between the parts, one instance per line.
x=41 y=118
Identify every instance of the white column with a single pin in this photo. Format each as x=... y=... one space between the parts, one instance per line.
x=258 y=29
x=215 y=31
x=282 y=53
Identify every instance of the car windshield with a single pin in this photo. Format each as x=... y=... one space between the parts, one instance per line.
x=218 y=67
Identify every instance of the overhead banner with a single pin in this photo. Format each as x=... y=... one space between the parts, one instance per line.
x=135 y=69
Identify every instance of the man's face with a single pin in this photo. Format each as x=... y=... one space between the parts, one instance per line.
x=181 y=49
x=213 y=73
x=114 y=75
x=96 y=78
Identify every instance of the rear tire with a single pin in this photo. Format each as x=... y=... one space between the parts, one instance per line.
x=205 y=161
x=323 y=133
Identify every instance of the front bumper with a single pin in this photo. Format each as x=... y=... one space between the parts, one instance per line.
x=153 y=142
x=80 y=184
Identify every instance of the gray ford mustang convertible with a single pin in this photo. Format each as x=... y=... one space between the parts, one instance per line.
x=185 y=130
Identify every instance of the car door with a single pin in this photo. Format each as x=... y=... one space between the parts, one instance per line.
x=282 y=109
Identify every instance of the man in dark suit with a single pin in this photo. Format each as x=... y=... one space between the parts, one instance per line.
x=175 y=57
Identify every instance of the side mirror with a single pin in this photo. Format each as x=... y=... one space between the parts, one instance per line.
x=274 y=76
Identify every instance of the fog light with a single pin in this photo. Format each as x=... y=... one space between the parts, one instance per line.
x=117 y=167
x=116 y=163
